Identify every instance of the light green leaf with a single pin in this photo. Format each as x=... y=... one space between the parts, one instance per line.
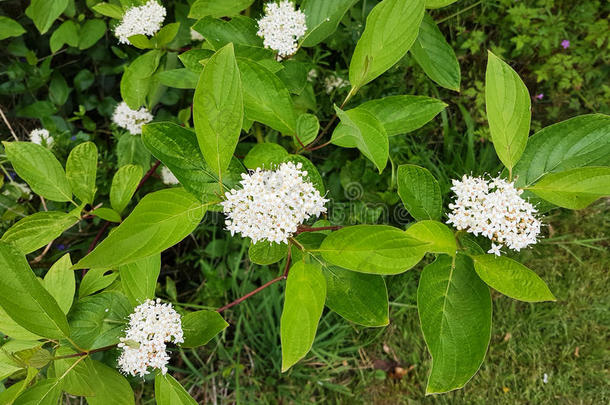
x=131 y=150
x=9 y=395
x=577 y=142
x=373 y=249
x=37 y=230
x=239 y=30
x=307 y=129
x=322 y=18
x=44 y=392
x=215 y=8
x=218 y=109
x=200 y=327
x=81 y=168
x=8 y=365
x=265 y=155
x=508 y=110
x=454 y=308
x=141 y=41
x=266 y=98
x=60 y=283
x=24 y=298
x=419 y=192
x=575 y=188
x=139 y=279
x=265 y=252
x=99 y=320
x=303 y=305
x=512 y=278
x=168 y=391
x=110 y=386
x=124 y=185
x=179 y=78
x=44 y=12
x=362 y=130
x=40 y=169
x=77 y=377
x=167 y=34
x=136 y=84
x=91 y=32
x=435 y=56
x=12 y=329
x=439 y=237
x=360 y=298
x=160 y=220
x=10 y=28
x=96 y=280
x=66 y=33
x=109 y=10
x=438 y=3
x=107 y=214
x=391 y=28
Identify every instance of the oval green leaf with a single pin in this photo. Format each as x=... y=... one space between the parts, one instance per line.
x=419 y=192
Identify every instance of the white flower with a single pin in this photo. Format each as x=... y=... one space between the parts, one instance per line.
x=196 y=36
x=41 y=136
x=272 y=204
x=23 y=188
x=281 y=27
x=312 y=75
x=131 y=120
x=151 y=326
x=334 y=82
x=495 y=210
x=167 y=176
x=545 y=378
x=145 y=20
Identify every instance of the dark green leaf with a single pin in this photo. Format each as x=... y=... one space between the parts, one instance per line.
x=226 y=8
x=200 y=327
x=139 y=279
x=81 y=168
x=322 y=18
x=265 y=252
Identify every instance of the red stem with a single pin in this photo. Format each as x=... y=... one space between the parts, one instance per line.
x=304 y=228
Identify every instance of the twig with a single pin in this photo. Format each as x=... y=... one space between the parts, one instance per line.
x=8 y=125
x=304 y=228
x=85 y=353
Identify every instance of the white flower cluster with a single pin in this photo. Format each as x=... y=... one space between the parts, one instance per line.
x=334 y=82
x=131 y=120
x=145 y=20
x=281 y=27
x=495 y=210
x=41 y=136
x=151 y=326
x=272 y=204
x=168 y=177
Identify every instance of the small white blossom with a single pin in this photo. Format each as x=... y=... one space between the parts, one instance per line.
x=272 y=204
x=281 y=27
x=131 y=120
x=545 y=378
x=23 y=188
x=196 y=36
x=41 y=136
x=495 y=210
x=168 y=177
x=334 y=82
x=145 y=20
x=312 y=75
x=151 y=326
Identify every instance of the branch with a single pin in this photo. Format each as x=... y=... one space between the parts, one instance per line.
x=85 y=353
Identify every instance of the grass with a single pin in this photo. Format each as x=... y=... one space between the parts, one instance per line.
x=566 y=340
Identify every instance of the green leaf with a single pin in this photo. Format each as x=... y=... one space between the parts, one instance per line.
x=362 y=130
x=419 y=192
x=435 y=56
x=360 y=298
x=44 y=12
x=508 y=110
x=265 y=252
x=307 y=129
x=12 y=329
x=575 y=188
x=37 y=230
x=77 y=377
x=322 y=18
x=226 y=8
x=191 y=58
x=136 y=83
x=99 y=320
x=373 y=249
x=44 y=392
x=168 y=391
x=303 y=305
x=124 y=185
x=439 y=237
x=40 y=169
x=131 y=150
x=239 y=30
x=60 y=283
x=38 y=109
x=266 y=98
x=67 y=33
x=10 y=28
x=92 y=31
x=141 y=41
x=109 y=10
x=403 y=114
x=107 y=214
x=96 y=280
x=391 y=28
x=265 y=155
x=179 y=78
x=454 y=308
x=200 y=327
x=438 y=3
x=578 y=142
x=139 y=279
x=9 y=395
x=58 y=89
x=167 y=34
x=24 y=298
x=218 y=110
x=110 y=386
x=81 y=168
x=294 y=75
x=512 y=278
x=160 y=220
